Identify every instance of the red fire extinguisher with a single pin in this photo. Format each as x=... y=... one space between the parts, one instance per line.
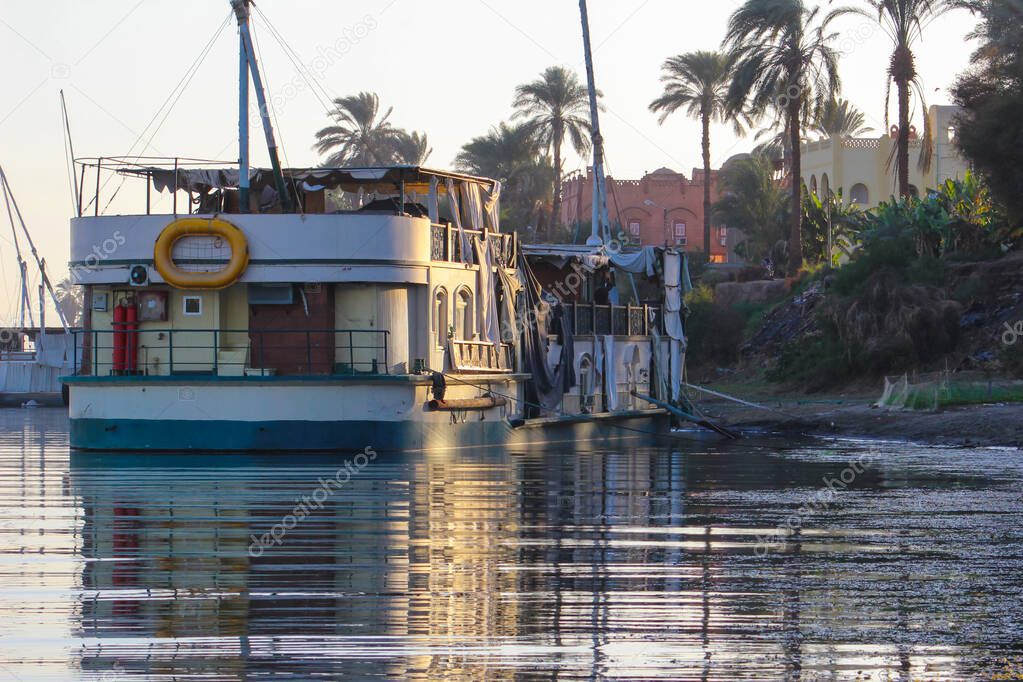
x=132 y=339
x=120 y=342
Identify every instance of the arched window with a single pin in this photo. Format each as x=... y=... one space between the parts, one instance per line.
x=825 y=186
x=914 y=191
x=440 y=316
x=859 y=194
x=465 y=315
x=813 y=184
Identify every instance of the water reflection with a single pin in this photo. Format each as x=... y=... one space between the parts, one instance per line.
x=508 y=565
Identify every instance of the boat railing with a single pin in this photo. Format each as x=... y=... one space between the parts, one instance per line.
x=231 y=352
x=615 y=320
x=446 y=244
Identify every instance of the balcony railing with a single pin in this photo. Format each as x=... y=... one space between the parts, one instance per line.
x=615 y=320
x=445 y=245
x=231 y=352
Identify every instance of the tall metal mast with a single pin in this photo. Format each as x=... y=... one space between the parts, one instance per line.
x=248 y=57
x=243 y=124
x=600 y=223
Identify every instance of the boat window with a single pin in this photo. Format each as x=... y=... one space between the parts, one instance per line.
x=464 y=315
x=192 y=305
x=269 y=293
x=440 y=316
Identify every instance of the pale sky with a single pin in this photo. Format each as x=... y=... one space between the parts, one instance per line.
x=448 y=69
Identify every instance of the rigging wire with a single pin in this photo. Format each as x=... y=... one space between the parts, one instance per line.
x=172 y=99
x=69 y=156
x=21 y=261
x=272 y=112
x=307 y=75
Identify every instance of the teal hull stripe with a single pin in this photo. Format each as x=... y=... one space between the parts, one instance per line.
x=285 y=436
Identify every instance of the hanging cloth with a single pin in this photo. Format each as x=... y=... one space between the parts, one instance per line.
x=546 y=387
x=492 y=207
x=673 y=295
x=433 y=202
x=486 y=296
x=463 y=238
x=610 y=373
x=473 y=205
x=641 y=262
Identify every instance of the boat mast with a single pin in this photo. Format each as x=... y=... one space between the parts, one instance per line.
x=600 y=223
x=243 y=124
x=40 y=262
x=248 y=57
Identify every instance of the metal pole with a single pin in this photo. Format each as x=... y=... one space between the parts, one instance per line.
x=175 y=209
x=243 y=125
x=81 y=189
x=599 y=214
x=99 y=164
x=241 y=10
x=71 y=149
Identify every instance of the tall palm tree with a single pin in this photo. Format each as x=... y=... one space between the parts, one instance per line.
x=785 y=63
x=754 y=203
x=501 y=154
x=698 y=83
x=555 y=107
x=360 y=135
x=840 y=118
x=411 y=148
x=903 y=21
x=509 y=153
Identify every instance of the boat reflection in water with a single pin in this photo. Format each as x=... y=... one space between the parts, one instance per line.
x=640 y=563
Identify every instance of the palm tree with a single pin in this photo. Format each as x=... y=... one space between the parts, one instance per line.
x=509 y=153
x=784 y=63
x=751 y=201
x=840 y=118
x=903 y=21
x=412 y=148
x=501 y=154
x=360 y=136
x=554 y=107
x=698 y=82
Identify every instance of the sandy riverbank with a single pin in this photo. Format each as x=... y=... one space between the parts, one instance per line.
x=851 y=415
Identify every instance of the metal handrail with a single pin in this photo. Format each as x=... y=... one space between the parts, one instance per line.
x=318 y=352
x=604 y=319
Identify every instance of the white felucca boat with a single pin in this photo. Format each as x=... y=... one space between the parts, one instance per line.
x=340 y=308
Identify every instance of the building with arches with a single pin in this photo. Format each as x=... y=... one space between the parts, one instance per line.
x=663 y=208
x=859 y=165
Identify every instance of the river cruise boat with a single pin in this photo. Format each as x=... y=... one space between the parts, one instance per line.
x=386 y=309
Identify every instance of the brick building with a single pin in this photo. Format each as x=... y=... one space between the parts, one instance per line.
x=661 y=208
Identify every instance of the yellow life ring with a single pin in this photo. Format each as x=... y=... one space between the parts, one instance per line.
x=202 y=227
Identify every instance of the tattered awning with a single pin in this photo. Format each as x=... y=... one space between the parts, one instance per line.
x=414 y=179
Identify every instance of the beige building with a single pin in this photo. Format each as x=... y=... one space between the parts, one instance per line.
x=859 y=165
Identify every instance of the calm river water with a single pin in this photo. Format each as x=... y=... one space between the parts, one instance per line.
x=656 y=563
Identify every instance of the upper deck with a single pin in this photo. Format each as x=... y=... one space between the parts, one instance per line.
x=346 y=224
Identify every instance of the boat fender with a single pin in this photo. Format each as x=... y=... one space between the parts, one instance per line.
x=439 y=387
x=459 y=404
